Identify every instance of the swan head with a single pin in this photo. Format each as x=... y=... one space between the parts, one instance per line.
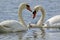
x=36 y=9
x=25 y=6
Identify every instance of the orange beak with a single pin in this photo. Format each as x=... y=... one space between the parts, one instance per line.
x=34 y=14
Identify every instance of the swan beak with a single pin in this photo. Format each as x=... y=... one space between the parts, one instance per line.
x=28 y=8
x=34 y=14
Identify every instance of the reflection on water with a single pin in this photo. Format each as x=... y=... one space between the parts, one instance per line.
x=32 y=34
x=35 y=34
x=11 y=36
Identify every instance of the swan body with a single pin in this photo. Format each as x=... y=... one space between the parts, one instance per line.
x=53 y=22
x=13 y=25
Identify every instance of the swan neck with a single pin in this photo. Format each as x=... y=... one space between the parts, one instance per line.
x=41 y=20
x=43 y=14
x=20 y=17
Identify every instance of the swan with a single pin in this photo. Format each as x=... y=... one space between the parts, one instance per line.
x=53 y=22
x=13 y=25
x=40 y=21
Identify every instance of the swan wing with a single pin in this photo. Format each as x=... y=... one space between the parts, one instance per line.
x=12 y=25
x=53 y=20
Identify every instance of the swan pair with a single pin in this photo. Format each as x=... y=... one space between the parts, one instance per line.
x=13 y=25
x=53 y=22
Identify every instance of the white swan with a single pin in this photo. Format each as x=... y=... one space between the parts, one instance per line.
x=40 y=21
x=13 y=25
x=53 y=22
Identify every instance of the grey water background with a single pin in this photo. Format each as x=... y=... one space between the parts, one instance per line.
x=9 y=11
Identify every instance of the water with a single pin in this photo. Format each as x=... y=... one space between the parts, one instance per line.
x=9 y=10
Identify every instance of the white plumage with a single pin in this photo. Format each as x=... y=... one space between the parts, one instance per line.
x=13 y=25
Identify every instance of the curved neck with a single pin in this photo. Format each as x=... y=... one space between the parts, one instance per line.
x=21 y=18
x=41 y=20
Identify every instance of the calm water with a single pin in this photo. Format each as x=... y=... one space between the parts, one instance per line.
x=9 y=10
